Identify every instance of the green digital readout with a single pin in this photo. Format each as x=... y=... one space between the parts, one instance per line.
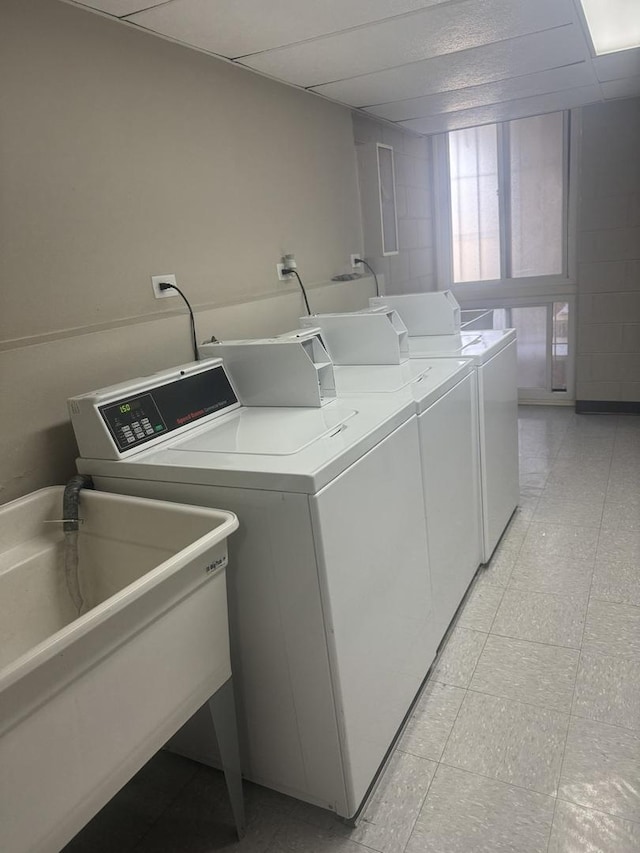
x=125 y=407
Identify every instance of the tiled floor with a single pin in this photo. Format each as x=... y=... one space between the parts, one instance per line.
x=527 y=738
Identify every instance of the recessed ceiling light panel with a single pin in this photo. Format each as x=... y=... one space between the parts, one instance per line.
x=613 y=24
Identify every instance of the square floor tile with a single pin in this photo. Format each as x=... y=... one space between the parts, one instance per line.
x=532 y=462
x=388 y=820
x=578 y=487
x=586 y=447
x=480 y=607
x=506 y=740
x=465 y=813
x=580 y=830
x=608 y=690
x=616 y=581
x=559 y=575
x=197 y=821
x=621 y=515
x=532 y=445
x=620 y=545
x=612 y=629
x=515 y=531
x=136 y=807
x=533 y=482
x=539 y=445
x=320 y=818
x=573 y=474
x=623 y=489
x=498 y=570
x=298 y=837
x=527 y=672
x=432 y=721
x=548 y=540
x=120 y=826
x=541 y=618
x=527 y=505
x=558 y=508
x=601 y=768
x=494 y=576
x=569 y=470
x=535 y=464
x=459 y=657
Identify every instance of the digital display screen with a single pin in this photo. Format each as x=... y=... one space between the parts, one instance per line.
x=133 y=421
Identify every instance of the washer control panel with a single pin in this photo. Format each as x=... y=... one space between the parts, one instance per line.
x=135 y=420
x=115 y=421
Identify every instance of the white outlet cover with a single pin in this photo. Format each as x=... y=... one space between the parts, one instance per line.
x=281 y=275
x=157 y=280
x=354 y=265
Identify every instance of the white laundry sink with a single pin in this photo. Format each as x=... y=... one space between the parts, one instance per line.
x=86 y=700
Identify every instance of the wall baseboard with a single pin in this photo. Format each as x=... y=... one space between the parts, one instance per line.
x=607 y=407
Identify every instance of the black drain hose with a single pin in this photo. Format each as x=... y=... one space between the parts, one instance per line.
x=71 y=499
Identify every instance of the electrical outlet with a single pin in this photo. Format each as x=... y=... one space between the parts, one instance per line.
x=157 y=280
x=281 y=275
x=354 y=265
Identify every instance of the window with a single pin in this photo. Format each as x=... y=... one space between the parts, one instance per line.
x=475 y=216
x=507 y=198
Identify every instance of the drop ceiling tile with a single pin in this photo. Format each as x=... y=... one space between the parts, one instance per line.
x=629 y=87
x=512 y=57
x=506 y=111
x=234 y=28
x=432 y=32
x=119 y=8
x=615 y=66
x=512 y=89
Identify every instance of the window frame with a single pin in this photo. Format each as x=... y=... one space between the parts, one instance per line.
x=552 y=286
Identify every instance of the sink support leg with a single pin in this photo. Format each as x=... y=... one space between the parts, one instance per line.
x=222 y=707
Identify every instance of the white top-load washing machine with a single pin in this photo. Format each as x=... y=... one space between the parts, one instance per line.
x=445 y=398
x=329 y=590
x=433 y=324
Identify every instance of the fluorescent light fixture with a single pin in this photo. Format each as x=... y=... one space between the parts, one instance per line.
x=613 y=24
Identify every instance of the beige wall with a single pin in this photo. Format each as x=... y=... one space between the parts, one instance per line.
x=412 y=270
x=122 y=155
x=608 y=364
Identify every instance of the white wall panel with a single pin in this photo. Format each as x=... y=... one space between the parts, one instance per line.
x=513 y=57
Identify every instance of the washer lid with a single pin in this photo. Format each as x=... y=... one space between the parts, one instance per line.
x=267 y=431
x=379 y=378
x=480 y=346
x=425 y=380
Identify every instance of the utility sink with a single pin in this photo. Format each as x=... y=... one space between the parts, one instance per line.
x=88 y=695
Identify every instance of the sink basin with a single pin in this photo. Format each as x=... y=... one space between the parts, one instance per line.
x=86 y=700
